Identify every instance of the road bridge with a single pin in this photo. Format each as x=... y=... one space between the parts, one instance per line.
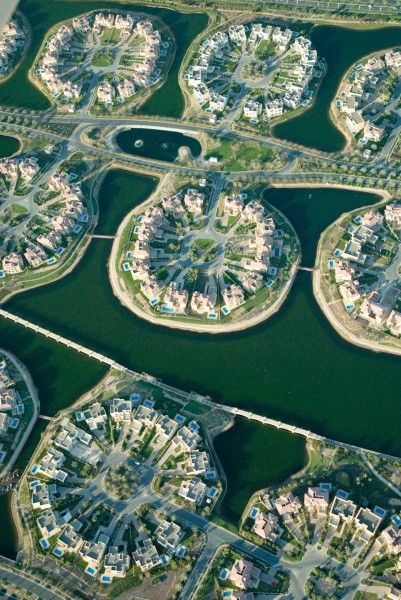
x=62 y=340
x=206 y=401
x=309 y=269
x=101 y=236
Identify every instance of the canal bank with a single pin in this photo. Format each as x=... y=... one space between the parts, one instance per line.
x=167 y=100
x=340 y=47
x=8 y=537
x=293 y=367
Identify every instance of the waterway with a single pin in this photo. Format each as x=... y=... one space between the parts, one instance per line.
x=293 y=367
x=120 y=192
x=8 y=534
x=153 y=143
x=167 y=100
x=340 y=47
x=264 y=462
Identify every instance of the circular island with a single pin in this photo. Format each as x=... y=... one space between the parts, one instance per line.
x=15 y=38
x=105 y=60
x=365 y=107
x=194 y=257
x=255 y=71
x=357 y=280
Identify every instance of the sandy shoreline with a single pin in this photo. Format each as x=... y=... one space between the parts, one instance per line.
x=335 y=114
x=341 y=329
x=79 y=251
x=201 y=327
x=123 y=297
x=36 y=407
x=317 y=292
x=378 y=192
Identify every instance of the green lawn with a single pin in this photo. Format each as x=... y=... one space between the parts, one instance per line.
x=18 y=209
x=265 y=49
x=203 y=243
x=110 y=36
x=196 y=408
x=236 y=156
x=102 y=58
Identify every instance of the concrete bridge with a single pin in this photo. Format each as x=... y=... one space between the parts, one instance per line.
x=309 y=269
x=187 y=396
x=62 y=340
x=101 y=236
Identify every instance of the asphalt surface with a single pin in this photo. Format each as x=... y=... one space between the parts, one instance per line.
x=24 y=582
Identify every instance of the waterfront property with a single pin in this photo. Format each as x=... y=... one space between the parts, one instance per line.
x=93 y=474
x=203 y=258
x=45 y=211
x=263 y=71
x=366 y=104
x=313 y=525
x=14 y=39
x=359 y=283
x=58 y=307
x=106 y=59
x=123 y=434
x=19 y=409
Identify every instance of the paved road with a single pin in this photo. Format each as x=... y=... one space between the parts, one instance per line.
x=291 y=150
x=26 y=583
x=376 y=7
x=195 y=577
x=286 y=174
x=163 y=123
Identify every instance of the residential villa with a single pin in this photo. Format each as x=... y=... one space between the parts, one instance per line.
x=243 y=574
x=267 y=526
x=287 y=504
x=146 y=556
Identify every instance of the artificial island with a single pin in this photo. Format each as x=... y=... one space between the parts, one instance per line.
x=127 y=485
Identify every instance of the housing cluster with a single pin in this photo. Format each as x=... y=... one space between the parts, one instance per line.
x=320 y=537
x=15 y=409
x=92 y=481
x=365 y=267
x=328 y=516
x=368 y=100
x=13 y=40
x=339 y=537
x=104 y=57
x=43 y=212
x=261 y=71
x=203 y=255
